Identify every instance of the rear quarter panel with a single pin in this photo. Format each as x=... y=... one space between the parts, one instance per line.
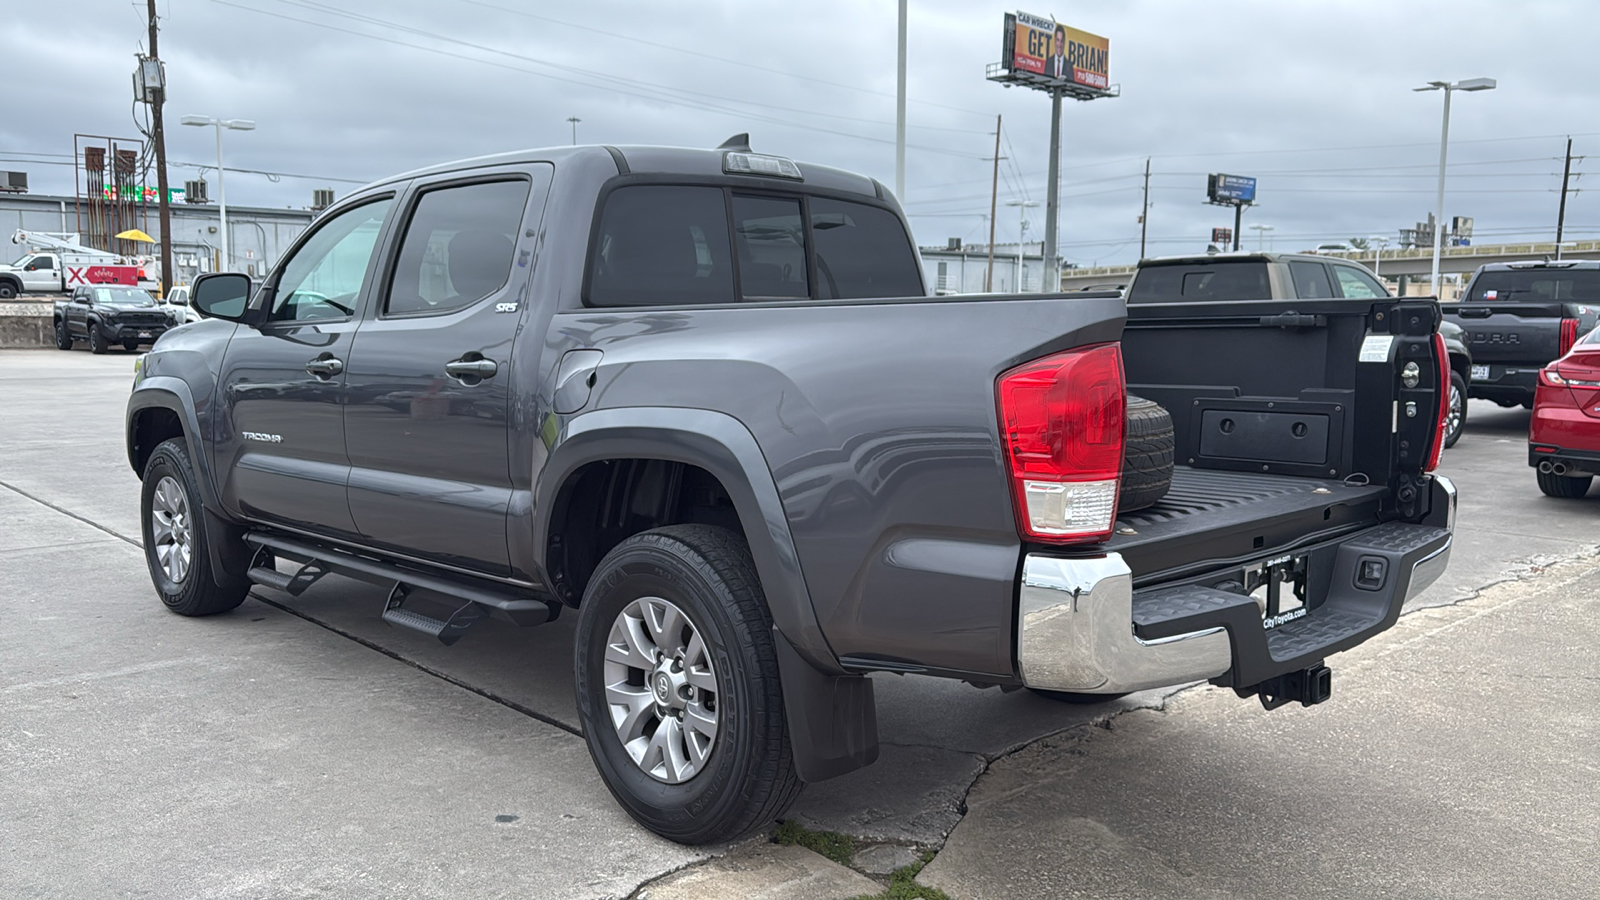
x=878 y=423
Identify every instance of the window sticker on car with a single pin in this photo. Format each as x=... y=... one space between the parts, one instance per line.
x=102 y=295
x=1490 y=295
x=1376 y=348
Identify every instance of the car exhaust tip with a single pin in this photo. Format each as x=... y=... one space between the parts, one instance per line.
x=1545 y=467
x=1559 y=468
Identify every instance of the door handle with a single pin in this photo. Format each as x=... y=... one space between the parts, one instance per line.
x=325 y=366
x=477 y=367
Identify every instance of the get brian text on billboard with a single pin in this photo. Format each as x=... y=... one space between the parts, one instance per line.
x=1063 y=55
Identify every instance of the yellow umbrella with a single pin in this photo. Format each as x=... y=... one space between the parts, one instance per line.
x=134 y=234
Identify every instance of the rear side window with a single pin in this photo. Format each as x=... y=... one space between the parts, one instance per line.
x=458 y=247
x=1243 y=280
x=1536 y=286
x=1356 y=284
x=1310 y=281
x=862 y=251
x=770 y=236
x=663 y=245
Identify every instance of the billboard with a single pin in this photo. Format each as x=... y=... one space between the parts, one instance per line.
x=1061 y=55
x=1230 y=189
x=1223 y=236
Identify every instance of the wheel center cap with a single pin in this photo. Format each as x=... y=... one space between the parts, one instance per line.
x=663 y=688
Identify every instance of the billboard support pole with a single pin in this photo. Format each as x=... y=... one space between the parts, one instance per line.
x=1052 y=196
x=1238 y=214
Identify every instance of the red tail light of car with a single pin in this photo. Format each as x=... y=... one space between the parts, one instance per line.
x=1569 y=335
x=1442 y=357
x=1061 y=423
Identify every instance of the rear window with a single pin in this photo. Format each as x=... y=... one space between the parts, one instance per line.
x=1536 y=286
x=665 y=245
x=1243 y=280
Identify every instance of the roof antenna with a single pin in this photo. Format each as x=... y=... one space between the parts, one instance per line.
x=739 y=142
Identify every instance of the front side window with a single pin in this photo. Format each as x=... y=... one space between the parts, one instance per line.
x=1357 y=284
x=771 y=239
x=41 y=262
x=324 y=277
x=458 y=247
x=662 y=245
x=862 y=251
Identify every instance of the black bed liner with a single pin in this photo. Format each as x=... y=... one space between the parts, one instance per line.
x=1210 y=518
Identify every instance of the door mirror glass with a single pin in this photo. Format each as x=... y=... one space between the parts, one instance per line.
x=222 y=295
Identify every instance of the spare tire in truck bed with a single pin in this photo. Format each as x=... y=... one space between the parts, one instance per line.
x=1147 y=461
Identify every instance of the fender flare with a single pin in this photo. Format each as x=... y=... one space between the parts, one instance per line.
x=831 y=713
x=230 y=556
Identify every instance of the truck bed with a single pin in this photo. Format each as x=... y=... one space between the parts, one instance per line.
x=1210 y=516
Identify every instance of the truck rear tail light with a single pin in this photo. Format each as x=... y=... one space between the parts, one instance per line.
x=1569 y=335
x=1061 y=423
x=1442 y=357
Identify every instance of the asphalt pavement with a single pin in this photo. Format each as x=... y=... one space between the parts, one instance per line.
x=300 y=747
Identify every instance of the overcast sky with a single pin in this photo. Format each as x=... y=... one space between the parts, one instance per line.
x=1314 y=99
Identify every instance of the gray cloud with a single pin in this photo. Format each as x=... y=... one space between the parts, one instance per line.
x=1315 y=99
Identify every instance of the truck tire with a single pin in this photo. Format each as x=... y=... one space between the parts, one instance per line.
x=1567 y=487
x=1456 y=419
x=677 y=686
x=97 y=341
x=1147 y=461
x=7 y=290
x=63 y=336
x=173 y=522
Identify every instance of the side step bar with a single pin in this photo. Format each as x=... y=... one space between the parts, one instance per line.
x=480 y=599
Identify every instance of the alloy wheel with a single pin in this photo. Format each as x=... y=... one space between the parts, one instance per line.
x=172 y=529
x=661 y=689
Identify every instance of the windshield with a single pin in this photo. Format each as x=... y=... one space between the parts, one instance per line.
x=1230 y=280
x=22 y=262
x=1540 y=285
x=123 y=296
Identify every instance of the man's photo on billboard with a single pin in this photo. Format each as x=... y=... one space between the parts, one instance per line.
x=1058 y=55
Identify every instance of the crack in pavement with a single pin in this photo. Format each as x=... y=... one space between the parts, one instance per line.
x=72 y=515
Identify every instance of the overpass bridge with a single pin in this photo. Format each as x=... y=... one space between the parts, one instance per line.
x=1411 y=263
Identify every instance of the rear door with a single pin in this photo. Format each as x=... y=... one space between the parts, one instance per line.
x=280 y=445
x=428 y=386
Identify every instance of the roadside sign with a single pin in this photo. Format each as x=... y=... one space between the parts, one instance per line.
x=1059 y=54
x=1230 y=189
x=1222 y=236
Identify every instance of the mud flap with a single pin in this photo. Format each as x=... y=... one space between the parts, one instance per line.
x=833 y=720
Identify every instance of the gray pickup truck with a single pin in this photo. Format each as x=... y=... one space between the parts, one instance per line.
x=1519 y=317
x=703 y=399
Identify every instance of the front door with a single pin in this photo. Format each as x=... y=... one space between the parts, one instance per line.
x=429 y=377
x=280 y=447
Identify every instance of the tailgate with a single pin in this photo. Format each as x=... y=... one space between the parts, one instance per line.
x=1510 y=333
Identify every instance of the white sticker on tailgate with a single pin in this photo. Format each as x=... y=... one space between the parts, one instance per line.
x=1376 y=348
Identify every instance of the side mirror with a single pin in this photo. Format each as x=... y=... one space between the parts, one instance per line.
x=221 y=295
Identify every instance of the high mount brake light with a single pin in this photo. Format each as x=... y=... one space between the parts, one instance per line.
x=740 y=163
x=1061 y=423
x=1569 y=335
x=1442 y=357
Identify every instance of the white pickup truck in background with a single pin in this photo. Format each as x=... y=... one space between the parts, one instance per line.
x=58 y=263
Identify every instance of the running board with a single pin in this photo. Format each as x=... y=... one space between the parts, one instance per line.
x=480 y=599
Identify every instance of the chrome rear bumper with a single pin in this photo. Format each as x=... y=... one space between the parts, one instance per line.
x=1076 y=619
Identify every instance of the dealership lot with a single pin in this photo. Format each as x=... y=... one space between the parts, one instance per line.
x=298 y=746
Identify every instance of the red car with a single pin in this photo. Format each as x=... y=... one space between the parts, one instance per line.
x=1564 y=434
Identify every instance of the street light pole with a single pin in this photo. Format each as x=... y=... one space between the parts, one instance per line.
x=1022 y=232
x=574 y=120
x=222 y=190
x=1377 y=244
x=1470 y=84
x=1261 y=235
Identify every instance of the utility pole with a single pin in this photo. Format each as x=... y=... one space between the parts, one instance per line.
x=994 y=194
x=160 y=138
x=1561 y=214
x=1144 y=215
x=900 y=114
